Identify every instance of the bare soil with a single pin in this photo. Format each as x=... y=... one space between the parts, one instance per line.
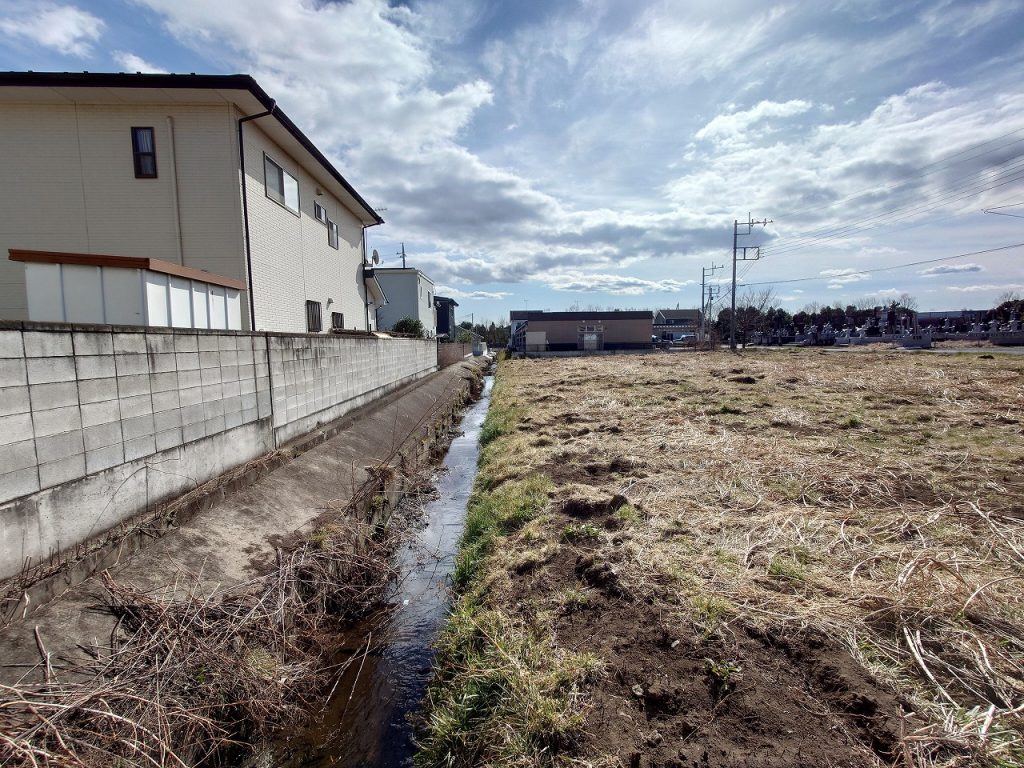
x=780 y=558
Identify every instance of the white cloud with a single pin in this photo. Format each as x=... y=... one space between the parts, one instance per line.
x=951 y=269
x=841 y=277
x=620 y=285
x=456 y=293
x=986 y=287
x=667 y=44
x=133 y=63
x=732 y=125
x=66 y=29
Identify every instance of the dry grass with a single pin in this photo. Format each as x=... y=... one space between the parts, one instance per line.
x=191 y=677
x=874 y=497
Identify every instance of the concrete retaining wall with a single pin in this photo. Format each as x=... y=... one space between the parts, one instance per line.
x=97 y=423
x=452 y=353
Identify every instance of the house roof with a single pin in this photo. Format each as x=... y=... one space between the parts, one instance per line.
x=241 y=90
x=445 y=300
x=540 y=315
x=680 y=314
x=400 y=271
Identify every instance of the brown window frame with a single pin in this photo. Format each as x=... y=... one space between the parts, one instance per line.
x=138 y=155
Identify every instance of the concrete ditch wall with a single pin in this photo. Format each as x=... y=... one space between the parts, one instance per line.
x=98 y=423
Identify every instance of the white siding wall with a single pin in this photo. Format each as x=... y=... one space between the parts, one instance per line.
x=407 y=291
x=71 y=187
x=291 y=258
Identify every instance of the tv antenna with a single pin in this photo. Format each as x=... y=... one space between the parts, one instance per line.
x=376 y=257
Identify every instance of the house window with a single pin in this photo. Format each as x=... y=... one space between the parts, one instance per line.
x=144 y=153
x=332 y=234
x=320 y=212
x=282 y=187
x=313 y=322
x=337 y=321
x=429 y=300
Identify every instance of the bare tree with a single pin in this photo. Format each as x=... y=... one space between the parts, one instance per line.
x=1006 y=296
x=907 y=301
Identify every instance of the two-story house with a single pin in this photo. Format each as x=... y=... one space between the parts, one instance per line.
x=445 y=308
x=410 y=293
x=174 y=200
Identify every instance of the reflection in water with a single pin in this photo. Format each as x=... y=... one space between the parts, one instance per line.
x=366 y=720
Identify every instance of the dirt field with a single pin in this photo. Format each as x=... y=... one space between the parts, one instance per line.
x=777 y=559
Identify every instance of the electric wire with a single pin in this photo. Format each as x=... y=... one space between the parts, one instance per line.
x=820 y=277
x=942 y=162
x=967 y=189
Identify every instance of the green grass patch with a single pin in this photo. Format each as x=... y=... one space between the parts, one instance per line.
x=577 y=533
x=787 y=568
x=503 y=695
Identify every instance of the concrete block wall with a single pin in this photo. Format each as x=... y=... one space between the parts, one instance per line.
x=98 y=423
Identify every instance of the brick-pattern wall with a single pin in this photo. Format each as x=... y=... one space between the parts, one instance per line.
x=97 y=423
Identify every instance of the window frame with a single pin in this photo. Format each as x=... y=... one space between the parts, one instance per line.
x=332 y=234
x=280 y=174
x=138 y=154
x=337 y=321
x=320 y=213
x=314 y=316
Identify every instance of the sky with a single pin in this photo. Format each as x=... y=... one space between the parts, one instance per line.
x=544 y=154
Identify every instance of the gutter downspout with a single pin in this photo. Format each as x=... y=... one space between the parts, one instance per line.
x=245 y=208
x=174 y=190
x=362 y=276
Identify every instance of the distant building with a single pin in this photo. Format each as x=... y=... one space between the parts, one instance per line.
x=410 y=294
x=173 y=200
x=539 y=332
x=674 y=323
x=954 y=317
x=445 y=315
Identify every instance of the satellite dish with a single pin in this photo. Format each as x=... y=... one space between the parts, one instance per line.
x=376 y=256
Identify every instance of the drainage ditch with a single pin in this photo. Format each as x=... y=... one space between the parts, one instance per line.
x=387 y=664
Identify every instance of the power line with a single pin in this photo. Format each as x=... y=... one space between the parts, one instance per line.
x=944 y=161
x=886 y=269
x=956 y=193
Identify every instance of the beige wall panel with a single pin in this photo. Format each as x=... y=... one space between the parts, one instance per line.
x=74 y=188
x=292 y=261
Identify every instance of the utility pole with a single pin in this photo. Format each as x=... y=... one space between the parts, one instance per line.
x=704 y=273
x=403 y=255
x=749 y=224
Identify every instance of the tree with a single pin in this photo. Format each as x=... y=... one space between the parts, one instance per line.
x=409 y=326
x=907 y=301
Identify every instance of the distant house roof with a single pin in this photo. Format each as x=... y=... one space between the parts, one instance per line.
x=242 y=90
x=445 y=300
x=679 y=314
x=401 y=271
x=539 y=315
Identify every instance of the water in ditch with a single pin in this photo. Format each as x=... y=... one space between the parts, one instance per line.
x=365 y=724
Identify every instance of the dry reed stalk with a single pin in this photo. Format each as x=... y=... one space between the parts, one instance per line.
x=195 y=675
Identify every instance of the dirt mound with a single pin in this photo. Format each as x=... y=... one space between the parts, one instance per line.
x=673 y=697
x=581 y=501
x=676 y=694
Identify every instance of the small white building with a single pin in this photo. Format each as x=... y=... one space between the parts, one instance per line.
x=410 y=293
x=174 y=200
